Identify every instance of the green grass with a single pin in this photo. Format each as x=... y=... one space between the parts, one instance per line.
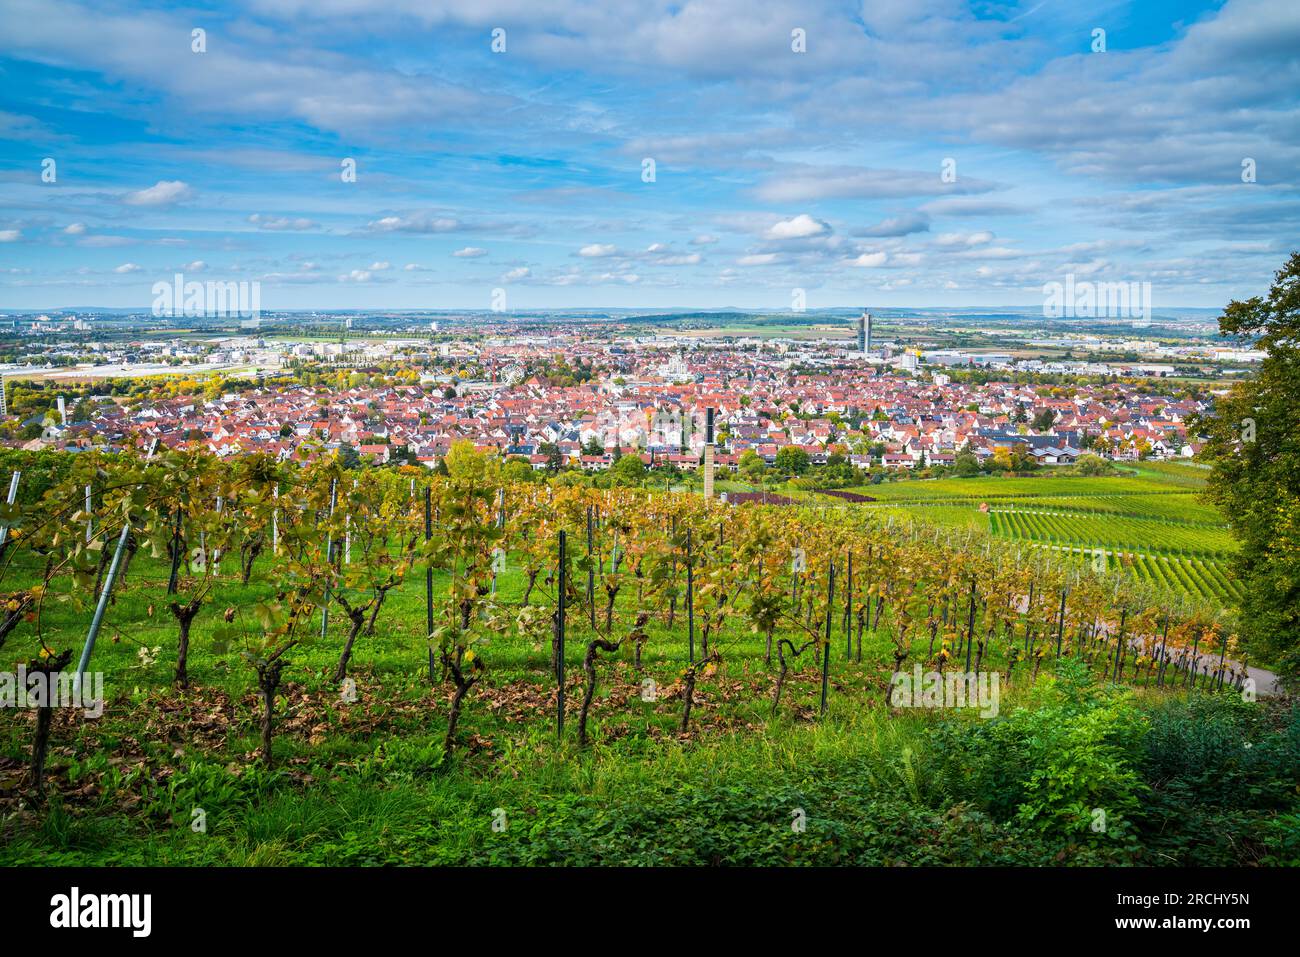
x=365 y=782
x=1153 y=515
x=1152 y=521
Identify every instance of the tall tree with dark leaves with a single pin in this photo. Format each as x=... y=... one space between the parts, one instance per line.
x=1254 y=445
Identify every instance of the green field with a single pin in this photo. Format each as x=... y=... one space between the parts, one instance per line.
x=365 y=782
x=1151 y=522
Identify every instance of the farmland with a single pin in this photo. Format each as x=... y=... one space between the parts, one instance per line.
x=591 y=676
x=1151 y=523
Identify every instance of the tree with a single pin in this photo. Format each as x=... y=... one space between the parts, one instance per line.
x=349 y=457
x=376 y=531
x=1253 y=441
x=751 y=465
x=1043 y=420
x=792 y=459
x=467 y=463
x=966 y=465
x=1093 y=465
x=517 y=470
x=554 y=458
x=628 y=470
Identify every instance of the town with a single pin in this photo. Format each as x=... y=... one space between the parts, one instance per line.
x=574 y=400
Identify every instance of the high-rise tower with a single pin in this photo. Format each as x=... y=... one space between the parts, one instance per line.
x=864 y=331
x=708 y=453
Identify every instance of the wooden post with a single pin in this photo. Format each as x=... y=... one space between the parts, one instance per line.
x=428 y=577
x=1164 y=640
x=329 y=559
x=559 y=635
x=177 y=548
x=970 y=626
x=1060 y=625
x=826 y=651
x=591 y=572
x=1119 y=642
x=848 y=613
x=690 y=597
x=1029 y=609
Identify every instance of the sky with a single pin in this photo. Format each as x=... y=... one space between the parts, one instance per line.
x=640 y=154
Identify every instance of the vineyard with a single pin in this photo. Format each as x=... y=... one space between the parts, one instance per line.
x=326 y=666
x=1153 y=528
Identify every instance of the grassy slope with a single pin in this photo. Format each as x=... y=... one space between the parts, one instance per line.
x=359 y=782
x=362 y=782
x=1152 y=520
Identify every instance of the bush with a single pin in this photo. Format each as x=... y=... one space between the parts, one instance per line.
x=1053 y=765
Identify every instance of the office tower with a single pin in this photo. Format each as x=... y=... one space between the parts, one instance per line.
x=864 y=325
x=708 y=453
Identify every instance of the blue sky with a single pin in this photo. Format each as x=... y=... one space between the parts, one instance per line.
x=522 y=170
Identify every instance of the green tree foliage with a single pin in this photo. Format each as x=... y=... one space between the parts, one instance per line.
x=1254 y=443
x=792 y=459
x=752 y=466
x=628 y=470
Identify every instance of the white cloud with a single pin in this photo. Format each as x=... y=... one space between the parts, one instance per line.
x=964 y=239
x=869 y=260
x=470 y=252
x=519 y=272
x=75 y=229
x=197 y=266
x=10 y=235
x=597 y=250
x=127 y=267
x=357 y=275
x=757 y=259
x=281 y=222
x=800 y=227
x=380 y=266
x=418 y=223
x=704 y=239
x=796 y=183
x=166 y=192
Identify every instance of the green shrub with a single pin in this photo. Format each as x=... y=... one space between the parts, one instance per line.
x=1054 y=764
